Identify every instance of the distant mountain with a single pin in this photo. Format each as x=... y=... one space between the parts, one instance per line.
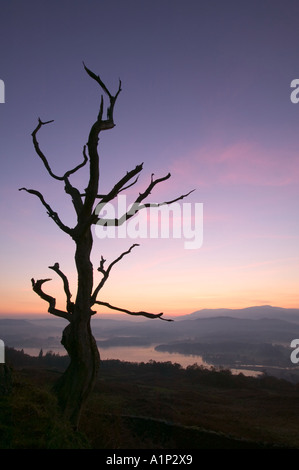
x=242 y=329
x=263 y=311
x=253 y=324
x=20 y=333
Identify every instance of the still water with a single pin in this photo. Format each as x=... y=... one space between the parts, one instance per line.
x=145 y=354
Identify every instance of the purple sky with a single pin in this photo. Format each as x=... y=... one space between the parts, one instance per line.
x=205 y=95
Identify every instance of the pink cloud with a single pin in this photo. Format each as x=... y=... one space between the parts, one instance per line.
x=239 y=163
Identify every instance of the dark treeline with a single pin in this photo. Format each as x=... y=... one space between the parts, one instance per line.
x=232 y=352
x=151 y=371
x=16 y=359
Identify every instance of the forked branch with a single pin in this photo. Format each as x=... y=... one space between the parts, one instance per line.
x=106 y=272
x=120 y=185
x=137 y=206
x=106 y=124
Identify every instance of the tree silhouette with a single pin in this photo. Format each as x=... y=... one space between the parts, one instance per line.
x=75 y=385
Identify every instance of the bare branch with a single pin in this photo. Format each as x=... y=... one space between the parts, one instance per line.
x=98 y=80
x=137 y=206
x=92 y=144
x=111 y=97
x=118 y=187
x=81 y=165
x=141 y=313
x=44 y=159
x=105 y=198
x=100 y=115
x=53 y=215
x=129 y=185
x=37 y=288
x=75 y=195
x=106 y=272
x=152 y=184
x=153 y=204
x=109 y=122
x=38 y=150
x=69 y=303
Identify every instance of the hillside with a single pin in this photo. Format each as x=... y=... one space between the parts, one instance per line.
x=150 y=406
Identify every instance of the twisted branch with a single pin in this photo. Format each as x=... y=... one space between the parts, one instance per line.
x=69 y=189
x=69 y=303
x=53 y=215
x=129 y=312
x=37 y=288
x=44 y=159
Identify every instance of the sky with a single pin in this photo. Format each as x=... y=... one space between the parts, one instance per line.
x=206 y=89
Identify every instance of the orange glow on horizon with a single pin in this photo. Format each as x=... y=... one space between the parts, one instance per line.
x=38 y=309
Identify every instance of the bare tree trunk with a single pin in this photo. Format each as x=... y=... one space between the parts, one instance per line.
x=78 y=380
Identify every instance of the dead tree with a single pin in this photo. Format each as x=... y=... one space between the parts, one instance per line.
x=75 y=385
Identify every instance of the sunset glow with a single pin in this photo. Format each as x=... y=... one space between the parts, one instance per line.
x=205 y=96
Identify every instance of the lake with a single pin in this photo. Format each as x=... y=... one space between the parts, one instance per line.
x=145 y=354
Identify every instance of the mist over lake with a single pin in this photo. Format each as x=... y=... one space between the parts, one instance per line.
x=250 y=340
